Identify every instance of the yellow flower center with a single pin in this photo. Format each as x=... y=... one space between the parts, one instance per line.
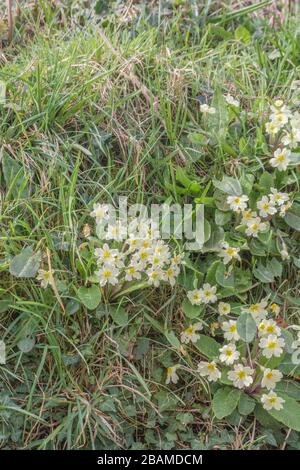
x=281 y=157
x=272 y=345
x=232 y=329
x=189 y=330
x=229 y=352
x=107 y=273
x=241 y=374
x=269 y=375
x=211 y=367
x=270 y=329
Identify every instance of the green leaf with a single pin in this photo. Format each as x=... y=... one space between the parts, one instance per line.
x=119 y=315
x=289 y=387
x=89 y=296
x=290 y=413
x=264 y=418
x=246 y=404
x=26 y=344
x=228 y=185
x=5 y=302
x=191 y=311
x=246 y=327
x=266 y=182
x=242 y=34
x=208 y=346
x=25 y=264
x=172 y=339
x=222 y=277
x=267 y=273
x=225 y=401
x=293 y=220
x=288 y=365
x=14 y=176
x=198 y=139
x=222 y=218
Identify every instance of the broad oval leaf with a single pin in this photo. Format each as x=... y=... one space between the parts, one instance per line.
x=89 y=296
x=25 y=264
x=208 y=346
x=225 y=401
x=246 y=327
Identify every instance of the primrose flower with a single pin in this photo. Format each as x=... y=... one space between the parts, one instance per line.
x=141 y=257
x=280 y=114
x=172 y=376
x=230 y=330
x=274 y=308
x=116 y=232
x=266 y=207
x=268 y=327
x=194 y=296
x=224 y=308
x=132 y=273
x=277 y=197
x=229 y=252
x=281 y=159
x=229 y=354
x=232 y=101
x=46 y=278
x=108 y=275
x=106 y=255
x=272 y=400
x=100 y=212
x=155 y=276
x=272 y=128
x=271 y=346
x=284 y=208
x=258 y=310
x=254 y=226
x=205 y=109
x=237 y=203
x=209 y=370
x=190 y=333
x=171 y=273
x=241 y=376
x=248 y=215
x=270 y=378
x=291 y=139
x=208 y=294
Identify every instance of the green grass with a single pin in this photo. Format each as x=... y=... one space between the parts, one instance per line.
x=75 y=130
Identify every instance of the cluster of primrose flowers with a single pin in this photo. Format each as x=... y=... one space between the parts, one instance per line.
x=245 y=370
x=285 y=126
x=135 y=253
x=267 y=206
